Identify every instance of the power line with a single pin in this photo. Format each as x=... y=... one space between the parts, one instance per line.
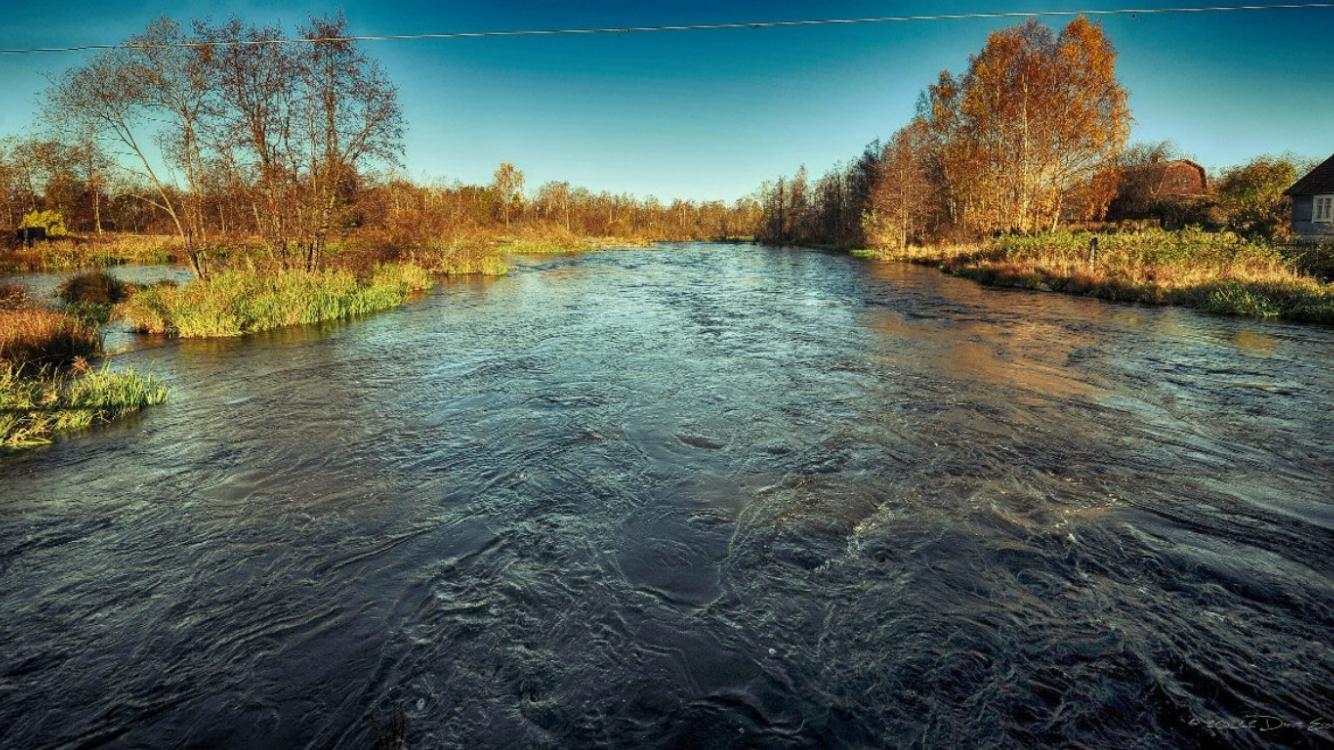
x=686 y=27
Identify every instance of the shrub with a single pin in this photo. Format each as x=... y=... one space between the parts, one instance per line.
x=92 y=288
x=49 y=221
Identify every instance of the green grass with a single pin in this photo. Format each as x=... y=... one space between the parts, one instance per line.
x=1216 y=272
x=233 y=303
x=34 y=408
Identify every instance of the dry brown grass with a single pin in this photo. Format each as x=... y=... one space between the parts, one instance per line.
x=1218 y=272
x=93 y=252
x=13 y=296
x=34 y=337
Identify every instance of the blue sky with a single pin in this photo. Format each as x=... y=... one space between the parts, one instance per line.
x=711 y=114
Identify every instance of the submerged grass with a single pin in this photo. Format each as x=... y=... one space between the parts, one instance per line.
x=1217 y=272
x=232 y=303
x=35 y=407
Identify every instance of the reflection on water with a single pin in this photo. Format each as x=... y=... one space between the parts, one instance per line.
x=715 y=496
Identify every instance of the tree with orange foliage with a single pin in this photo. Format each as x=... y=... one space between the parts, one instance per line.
x=1028 y=128
x=902 y=196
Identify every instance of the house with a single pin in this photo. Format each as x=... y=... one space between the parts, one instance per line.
x=1172 y=191
x=1179 y=178
x=1313 y=204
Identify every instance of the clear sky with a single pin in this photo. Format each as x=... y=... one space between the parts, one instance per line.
x=710 y=114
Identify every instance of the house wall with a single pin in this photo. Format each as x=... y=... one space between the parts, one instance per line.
x=1303 y=206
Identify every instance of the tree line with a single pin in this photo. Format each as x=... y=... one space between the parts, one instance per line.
x=214 y=132
x=1031 y=136
x=1016 y=143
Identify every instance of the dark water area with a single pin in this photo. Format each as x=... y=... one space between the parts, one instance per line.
x=700 y=496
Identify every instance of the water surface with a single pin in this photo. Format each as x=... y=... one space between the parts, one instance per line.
x=701 y=496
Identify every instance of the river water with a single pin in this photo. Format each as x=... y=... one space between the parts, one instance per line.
x=697 y=496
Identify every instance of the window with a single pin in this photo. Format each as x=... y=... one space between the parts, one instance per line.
x=1324 y=209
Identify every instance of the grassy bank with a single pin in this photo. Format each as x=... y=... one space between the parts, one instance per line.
x=37 y=406
x=91 y=252
x=232 y=303
x=1217 y=272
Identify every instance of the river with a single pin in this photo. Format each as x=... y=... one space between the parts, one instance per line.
x=694 y=496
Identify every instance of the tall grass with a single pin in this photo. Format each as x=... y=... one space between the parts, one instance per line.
x=13 y=296
x=36 y=407
x=34 y=337
x=554 y=239
x=236 y=302
x=1217 y=272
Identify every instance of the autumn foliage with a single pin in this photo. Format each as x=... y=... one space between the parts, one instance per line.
x=1026 y=138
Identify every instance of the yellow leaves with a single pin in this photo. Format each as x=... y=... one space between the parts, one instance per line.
x=1032 y=122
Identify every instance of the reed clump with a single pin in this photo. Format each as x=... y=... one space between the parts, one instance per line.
x=92 y=288
x=1219 y=272
x=236 y=302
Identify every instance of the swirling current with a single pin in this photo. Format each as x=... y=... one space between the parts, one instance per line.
x=693 y=496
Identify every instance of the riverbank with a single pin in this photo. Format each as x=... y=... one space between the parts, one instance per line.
x=1215 y=272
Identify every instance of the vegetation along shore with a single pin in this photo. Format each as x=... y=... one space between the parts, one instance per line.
x=1216 y=272
x=1018 y=173
x=47 y=386
x=1031 y=185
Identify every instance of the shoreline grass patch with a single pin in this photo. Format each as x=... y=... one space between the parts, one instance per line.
x=1220 y=273
x=35 y=408
x=233 y=303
